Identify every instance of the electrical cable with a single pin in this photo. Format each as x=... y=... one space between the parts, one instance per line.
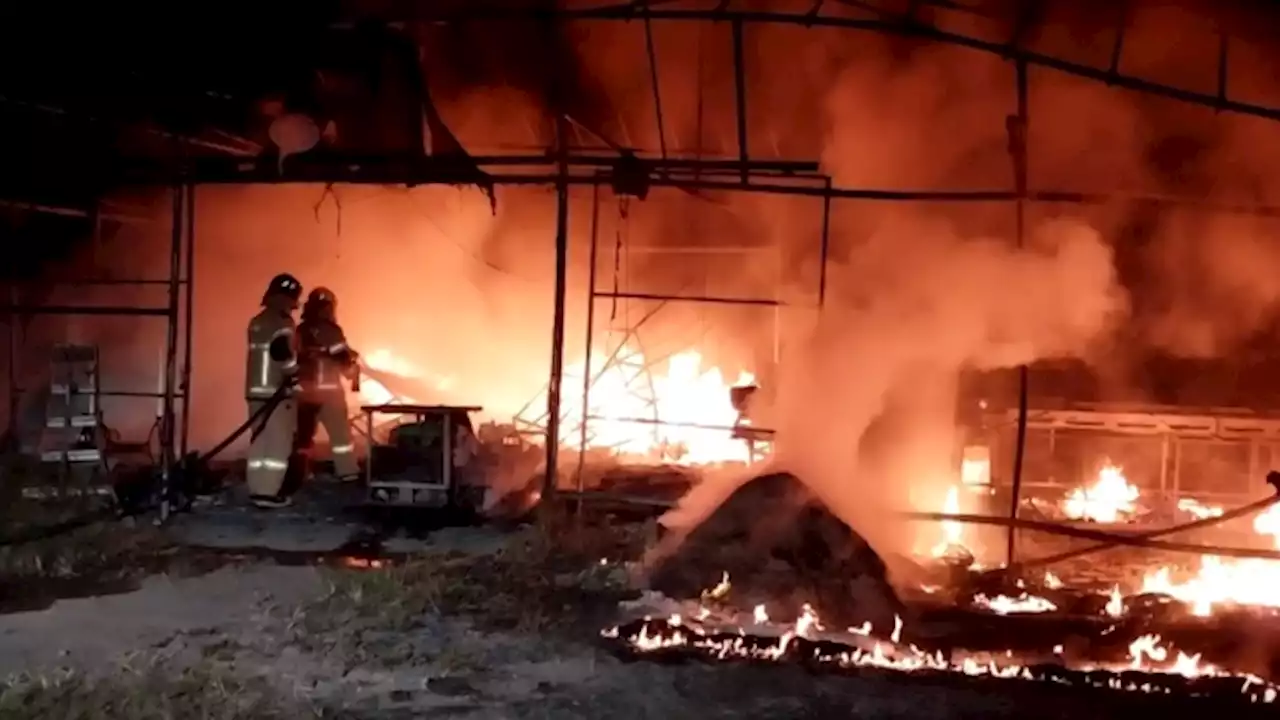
x=46 y=532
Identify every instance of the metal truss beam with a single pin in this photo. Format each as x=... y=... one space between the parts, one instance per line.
x=771 y=177
x=907 y=26
x=419 y=170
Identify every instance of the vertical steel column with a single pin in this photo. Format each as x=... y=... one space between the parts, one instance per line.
x=557 y=322
x=1017 y=129
x=591 y=320
x=167 y=429
x=825 y=246
x=740 y=96
x=189 y=314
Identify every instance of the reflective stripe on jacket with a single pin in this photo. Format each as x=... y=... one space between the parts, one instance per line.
x=263 y=375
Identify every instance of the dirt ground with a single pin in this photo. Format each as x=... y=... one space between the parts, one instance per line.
x=463 y=633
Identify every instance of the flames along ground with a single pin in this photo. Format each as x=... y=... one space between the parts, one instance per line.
x=679 y=412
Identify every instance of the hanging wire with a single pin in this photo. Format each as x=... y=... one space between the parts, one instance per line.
x=624 y=211
x=329 y=192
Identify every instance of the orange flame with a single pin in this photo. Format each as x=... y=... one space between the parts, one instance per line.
x=1107 y=500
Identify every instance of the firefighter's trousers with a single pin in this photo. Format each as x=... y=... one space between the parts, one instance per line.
x=269 y=452
x=328 y=409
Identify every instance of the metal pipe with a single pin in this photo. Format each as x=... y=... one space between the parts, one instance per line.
x=740 y=95
x=1085 y=534
x=189 y=316
x=14 y=309
x=688 y=298
x=174 y=138
x=124 y=393
x=167 y=430
x=1251 y=508
x=350 y=171
x=214 y=166
x=1018 y=152
x=676 y=423
x=90 y=282
x=73 y=212
x=590 y=331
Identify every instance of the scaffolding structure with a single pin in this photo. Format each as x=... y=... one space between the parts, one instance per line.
x=172 y=393
x=619 y=352
x=564 y=166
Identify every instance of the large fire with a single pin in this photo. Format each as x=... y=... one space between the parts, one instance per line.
x=1110 y=497
x=681 y=413
x=676 y=411
x=1225 y=581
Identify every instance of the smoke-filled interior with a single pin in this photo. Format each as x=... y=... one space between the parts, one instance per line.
x=1129 y=299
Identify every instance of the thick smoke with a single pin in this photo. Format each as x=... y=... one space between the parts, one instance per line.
x=929 y=303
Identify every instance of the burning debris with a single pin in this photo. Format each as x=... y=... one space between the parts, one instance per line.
x=1109 y=499
x=1151 y=665
x=667 y=409
x=771 y=550
x=1148 y=663
x=777 y=541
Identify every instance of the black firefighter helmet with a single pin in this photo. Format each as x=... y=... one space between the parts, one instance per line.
x=284 y=285
x=321 y=303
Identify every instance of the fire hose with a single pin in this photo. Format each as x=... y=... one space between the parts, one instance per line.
x=124 y=508
x=1107 y=540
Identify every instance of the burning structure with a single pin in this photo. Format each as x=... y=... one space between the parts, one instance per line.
x=845 y=303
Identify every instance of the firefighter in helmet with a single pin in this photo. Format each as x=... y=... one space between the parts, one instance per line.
x=271 y=372
x=325 y=360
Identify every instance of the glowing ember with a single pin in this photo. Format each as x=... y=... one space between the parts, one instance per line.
x=1023 y=604
x=759 y=616
x=1107 y=500
x=1115 y=603
x=807 y=623
x=720 y=590
x=1052 y=581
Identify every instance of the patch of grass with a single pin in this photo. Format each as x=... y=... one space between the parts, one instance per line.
x=547 y=580
x=209 y=690
x=89 y=549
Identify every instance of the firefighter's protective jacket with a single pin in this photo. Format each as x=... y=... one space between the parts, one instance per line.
x=325 y=356
x=273 y=356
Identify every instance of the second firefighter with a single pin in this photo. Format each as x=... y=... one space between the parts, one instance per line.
x=324 y=360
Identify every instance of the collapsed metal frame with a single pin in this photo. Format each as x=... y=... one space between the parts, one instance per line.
x=174 y=383
x=563 y=168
